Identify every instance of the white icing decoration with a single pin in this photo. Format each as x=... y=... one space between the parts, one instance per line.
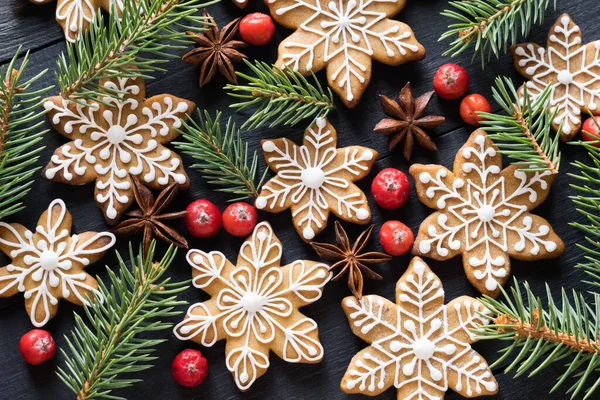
x=117 y=138
x=570 y=69
x=484 y=214
x=346 y=27
x=49 y=256
x=313 y=176
x=420 y=338
x=252 y=298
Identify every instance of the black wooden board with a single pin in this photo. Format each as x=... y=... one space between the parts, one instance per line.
x=33 y=27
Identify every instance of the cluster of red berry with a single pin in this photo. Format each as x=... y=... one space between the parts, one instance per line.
x=204 y=219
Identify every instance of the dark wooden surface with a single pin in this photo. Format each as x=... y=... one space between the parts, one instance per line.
x=33 y=27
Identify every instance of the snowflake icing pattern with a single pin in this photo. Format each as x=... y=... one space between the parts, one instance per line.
x=418 y=345
x=569 y=67
x=315 y=178
x=75 y=16
x=48 y=264
x=110 y=141
x=484 y=214
x=254 y=306
x=344 y=35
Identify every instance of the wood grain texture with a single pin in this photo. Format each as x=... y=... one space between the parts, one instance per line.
x=34 y=27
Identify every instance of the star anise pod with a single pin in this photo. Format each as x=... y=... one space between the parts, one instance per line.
x=407 y=122
x=216 y=50
x=351 y=259
x=149 y=218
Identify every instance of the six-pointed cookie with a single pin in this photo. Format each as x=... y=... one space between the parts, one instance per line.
x=121 y=135
x=48 y=264
x=483 y=213
x=254 y=306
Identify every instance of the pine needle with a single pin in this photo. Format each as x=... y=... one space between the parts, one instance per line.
x=20 y=121
x=587 y=183
x=542 y=334
x=491 y=26
x=133 y=43
x=109 y=344
x=525 y=133
x=223 y=157
x=282 y=97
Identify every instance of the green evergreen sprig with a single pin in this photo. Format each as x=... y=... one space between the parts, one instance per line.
x=491 y=26
x=223 y=157
x=21 y=116
x=524 y=133
x=542 y=333
x=132 y=43
x=109 y=343
x=587 y=183
x=284 y=97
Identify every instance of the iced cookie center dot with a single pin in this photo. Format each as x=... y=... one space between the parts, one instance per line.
x=424 y=349
x=49 y=260
x=313 y=177
x=116 y=134
x=565 y=77
x=486 y=213
x=252 y=302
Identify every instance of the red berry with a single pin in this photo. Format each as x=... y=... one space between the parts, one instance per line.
x=469 y=107
x=203 y=219
x=396 y=238
x=451 y=81
x=257 y=29
x=37 y=346
x=590 y=130
x=390 y=188
x=239 y=219
x=189 y=368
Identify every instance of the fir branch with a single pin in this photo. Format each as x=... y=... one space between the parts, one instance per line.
x=224 y=159
x=134 y=43
x=491 y=26
x=110 y=343
x=542 y=334
x=285 y=97
x=588 y=204
x=525 y=133
x=20 y=119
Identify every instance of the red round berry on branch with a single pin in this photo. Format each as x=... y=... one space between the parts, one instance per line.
x=189 y=368
x=451 y=81
x=37 y=346
x=590 y=130
x=396 y=238
x=239 y=219
x=470 y=105
x=257 y=29
x=203 y=219
x=390 y=188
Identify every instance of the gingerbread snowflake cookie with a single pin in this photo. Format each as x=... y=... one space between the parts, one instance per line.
x=124 y=133
x=483 y=214
x=569 y=67
x=316 y=178
x=419 y=345
x=344 y=37
x=48 y=264
x=75 y=16
x=254 y=306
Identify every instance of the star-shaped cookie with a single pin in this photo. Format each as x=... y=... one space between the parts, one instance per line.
x=571 y=68
x=76 y=15
x=48 y=264
x=121 y=134
x=316 y=178
x=484 y=214
x=254 y=306
x=418 y=345
x=344 y=36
